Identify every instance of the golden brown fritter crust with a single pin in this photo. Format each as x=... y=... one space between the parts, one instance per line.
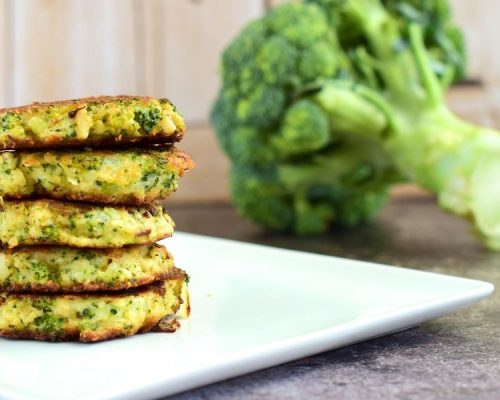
x=161 y=318
x=53 y=287
x=69 y=109
x=76 y=335
x=131 y=176
x=156 y=287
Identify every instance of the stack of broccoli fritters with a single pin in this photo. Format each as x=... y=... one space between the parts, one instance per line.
x=80 y=185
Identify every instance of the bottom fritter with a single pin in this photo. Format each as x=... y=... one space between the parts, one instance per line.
x=95 y=316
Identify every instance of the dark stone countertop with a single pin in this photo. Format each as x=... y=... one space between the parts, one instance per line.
x=455 y=357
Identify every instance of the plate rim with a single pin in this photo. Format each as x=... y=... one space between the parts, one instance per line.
x=320 y=339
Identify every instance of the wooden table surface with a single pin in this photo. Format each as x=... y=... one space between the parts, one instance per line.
x=456 y=357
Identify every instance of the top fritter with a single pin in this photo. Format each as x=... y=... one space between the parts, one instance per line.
x=93 y=122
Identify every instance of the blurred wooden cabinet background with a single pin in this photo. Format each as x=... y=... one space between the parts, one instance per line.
x=57 y=49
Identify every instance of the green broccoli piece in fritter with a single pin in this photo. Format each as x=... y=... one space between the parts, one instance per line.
x=147 y=119
x=8 y=121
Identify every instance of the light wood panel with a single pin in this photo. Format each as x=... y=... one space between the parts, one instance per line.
x=479 y=20
x=167 y=48
x=273 y=3
x=64 y=49
x=208 y=181
x=184 y=40
x=473 y=104
x=4 y=51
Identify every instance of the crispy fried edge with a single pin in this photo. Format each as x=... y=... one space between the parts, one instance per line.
x=150 y=325
x=54 y=287
x=54 y=142
x=91 y=99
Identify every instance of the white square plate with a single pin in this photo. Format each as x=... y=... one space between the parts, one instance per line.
x=252 y=307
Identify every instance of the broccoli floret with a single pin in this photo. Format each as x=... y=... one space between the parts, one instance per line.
x=300 y=25
x=326 y=103
x=238 y=60
x=318 y=60
x=262 y=107
x=262 y=197
x=312 y=218
x=224 y=118
x=304 y=129
x=360 y=208
x=263 y=75
x=343 y=186
x=245 y=137
x=277 y=61
x=258 y=195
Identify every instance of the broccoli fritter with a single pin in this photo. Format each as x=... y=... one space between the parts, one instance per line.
x=113 y=177
x=93 y=121
x=91 y=317
x=67 y=269
x=35 y=222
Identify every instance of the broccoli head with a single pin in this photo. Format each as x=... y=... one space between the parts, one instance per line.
x=265 y=70
x=326 y=103
x=276 y=124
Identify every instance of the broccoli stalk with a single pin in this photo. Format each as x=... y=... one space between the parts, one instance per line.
x=326 y=103
x=428 y=143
